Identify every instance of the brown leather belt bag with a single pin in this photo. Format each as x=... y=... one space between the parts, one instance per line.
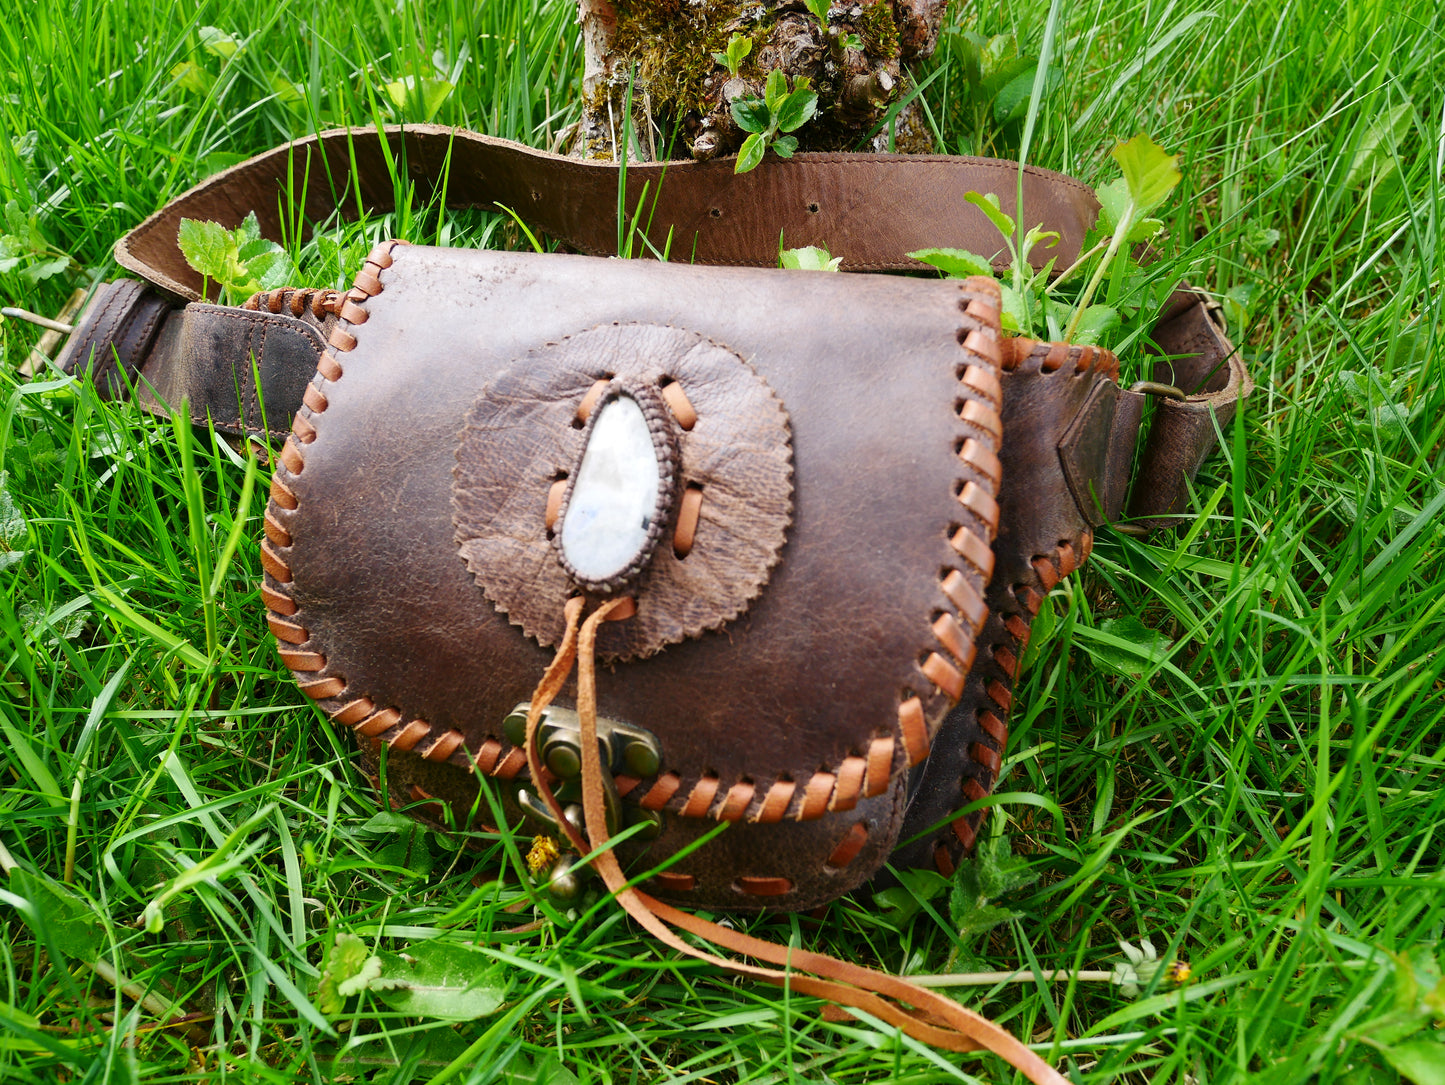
x=855 y=494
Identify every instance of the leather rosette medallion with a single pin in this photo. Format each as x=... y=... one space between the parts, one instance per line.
x=630 y=459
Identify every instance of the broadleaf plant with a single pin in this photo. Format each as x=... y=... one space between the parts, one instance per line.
x=1035 y=306
x=738 y=49
x=809 y=258
x=768 y=118
x=240 y=261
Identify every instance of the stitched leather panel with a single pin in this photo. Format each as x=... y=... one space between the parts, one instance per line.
x=1044 y=394
x=800 y=853
x=114 y=335
x=810 y=676
x=204 y=358
x=521 y=434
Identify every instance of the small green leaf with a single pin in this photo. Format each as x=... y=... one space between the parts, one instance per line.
x=271 y=269
x=1384 y=139
x=46 y=269
x=354 y=985
x=955 y=263
x=1144 y=230
x=387 y=822
x=1422 y=1061
x=819 y=8
x=440 y=979
x=1239 y=302
x=346 y=957
x=904 y=900
x=739 y=46
x=1013 y=97
x=989 y=205
x=991 y=873
x=1149 y=172
x=751 y=114
x=286 y=92
x=1113 y=205
x=208 y=247
x=751 y=153
x=217 y=42
x=73 y=926
x=1261 y=238
x=1014 y=312
x=775 y=90
x=810 y=258
x=1094 y=323
x=1035 y=237
x=784 y=146
x=249 y=230
x=433 y=92
x=798 y=107
x=190 y=76
x=1131 y=646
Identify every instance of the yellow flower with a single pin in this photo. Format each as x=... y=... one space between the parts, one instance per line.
x=543 y=856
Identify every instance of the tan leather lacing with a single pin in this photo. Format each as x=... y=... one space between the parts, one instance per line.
x=1049 y=569
x=298 y=302
x=364 y=716
x=955 y=629
x=932 y=1018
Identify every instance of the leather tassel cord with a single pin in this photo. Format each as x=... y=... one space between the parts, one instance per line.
x=933 y=1018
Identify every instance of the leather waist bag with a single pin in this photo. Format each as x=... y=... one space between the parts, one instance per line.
x=832 y=503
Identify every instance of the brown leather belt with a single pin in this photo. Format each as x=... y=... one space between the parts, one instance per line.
x=851 y=683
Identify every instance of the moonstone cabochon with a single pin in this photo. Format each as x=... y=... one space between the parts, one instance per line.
x=621 y=498
x=522 y=434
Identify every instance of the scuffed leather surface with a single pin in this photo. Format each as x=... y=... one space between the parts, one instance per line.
x=212 y=359
x=868 y=371
x=872 y=209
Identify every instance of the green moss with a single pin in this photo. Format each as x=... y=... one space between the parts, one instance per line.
x=878 y=31
x=671 y=42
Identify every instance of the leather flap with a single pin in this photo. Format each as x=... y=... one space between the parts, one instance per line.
x=797 y=706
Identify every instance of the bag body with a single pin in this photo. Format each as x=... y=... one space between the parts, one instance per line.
x=788 y=667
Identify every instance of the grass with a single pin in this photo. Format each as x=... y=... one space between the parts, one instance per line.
x=1229 y=740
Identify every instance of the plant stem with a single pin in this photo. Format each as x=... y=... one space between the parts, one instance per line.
x=135 y=992
x=1126 y=223
x=987 y=979
x=1074 y=267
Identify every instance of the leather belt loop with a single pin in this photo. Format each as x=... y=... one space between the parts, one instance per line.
x=1207 y=368
x=114 y=335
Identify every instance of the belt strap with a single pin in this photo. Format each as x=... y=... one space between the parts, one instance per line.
x=873 y=209
x=870 y=209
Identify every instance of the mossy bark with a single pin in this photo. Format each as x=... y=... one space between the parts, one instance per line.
x=659 y=56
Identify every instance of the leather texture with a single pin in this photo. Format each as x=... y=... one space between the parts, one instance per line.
x=1043 y=536
x=791 y=711
x=869 y=209
x=114 y=335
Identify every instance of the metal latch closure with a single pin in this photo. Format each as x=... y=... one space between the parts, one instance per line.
x=625 y=750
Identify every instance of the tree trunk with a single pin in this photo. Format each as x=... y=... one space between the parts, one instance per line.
x=660 y=55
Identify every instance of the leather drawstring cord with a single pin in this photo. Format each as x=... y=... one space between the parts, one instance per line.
x=934 y=1019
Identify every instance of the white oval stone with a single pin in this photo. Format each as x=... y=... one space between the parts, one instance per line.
x=609 y=514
